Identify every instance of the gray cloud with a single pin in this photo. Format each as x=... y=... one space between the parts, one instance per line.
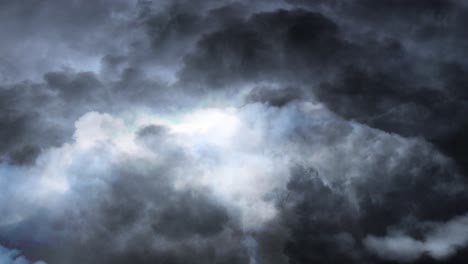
x=233 y=132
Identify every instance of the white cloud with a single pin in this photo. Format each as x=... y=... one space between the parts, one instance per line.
x=440 y=242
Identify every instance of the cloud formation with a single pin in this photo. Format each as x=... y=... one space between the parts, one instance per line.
x=12 y=256
x=441 y=242
x=233 y=132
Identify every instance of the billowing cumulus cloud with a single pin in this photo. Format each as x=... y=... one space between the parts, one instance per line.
x=258 y=132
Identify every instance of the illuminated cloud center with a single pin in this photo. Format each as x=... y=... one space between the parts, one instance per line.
x=217 y=122
x=233 y=166
x=225 y=157
x=207 y=126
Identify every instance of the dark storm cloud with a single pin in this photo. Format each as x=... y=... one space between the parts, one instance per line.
x=21 y=124
x=407 y=86
x=45 y=35
x=274 y=46
x=385 y=168
x=71 y=86
x=139 y=211
x=275 y=97
x=330 y=220
x=33 y=115
x=395 y=82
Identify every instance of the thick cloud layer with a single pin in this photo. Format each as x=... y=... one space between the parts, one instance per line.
x=233 y=132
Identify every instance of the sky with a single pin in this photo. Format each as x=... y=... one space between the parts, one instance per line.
x=233 y=131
